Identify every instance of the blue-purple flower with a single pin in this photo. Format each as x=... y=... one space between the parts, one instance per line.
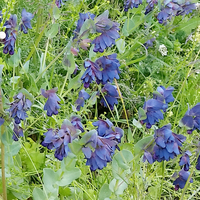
x=185 y=160
x=101 y=146
x=82 y=18
x=52 y=104
x=152 y=109
x=26 y=21
x=59 y=3
x=149 y=43
x=76 y=122
x=186 y=8
x=82 y=96
x=198 y=163
x=150 y=6
x=59 y=139
x=110 y=66
x=19 y=107
x=111 y=95
x=166 y=146
x=109 y=33
x=9 y=43
x=91 y=74
x=191 y=119
x=17 y=132
x=164 y=95
x=182 y=179
x=131 y=4
x=1 y=121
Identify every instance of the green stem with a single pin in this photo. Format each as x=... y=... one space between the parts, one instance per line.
x=163 y=175
x=66 y=77
x=120 y=95
x=3 y=155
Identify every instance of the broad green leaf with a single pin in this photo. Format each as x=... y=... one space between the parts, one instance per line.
x=139 y=146
x=93 y=99
x=56 y=12
x=130 y=135
x=75 y=146
x=88 y=26
x=136 y=123
x=25 y=68
x=120 y=45
x=142 y=114
x=187 y=27
x=14 y=60
x=75 y=82
x=38 y=194
x=53 y=31
x=117 y=186
x=87 y=137
x=14 y=79
x=104 y=192
x=69 y=176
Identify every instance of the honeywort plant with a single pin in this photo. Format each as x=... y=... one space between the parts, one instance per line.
x=67 y=105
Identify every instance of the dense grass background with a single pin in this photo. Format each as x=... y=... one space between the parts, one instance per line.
x=29 y=165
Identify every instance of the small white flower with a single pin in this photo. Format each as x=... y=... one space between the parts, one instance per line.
x=2 y=35
x=197 y=6
x=163 y=50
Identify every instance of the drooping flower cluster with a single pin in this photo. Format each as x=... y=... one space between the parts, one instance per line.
x=131 y=4
x=150 y=6
x=152 y=107
x=111 y=95
x=185 y=160
x=17 y=111
x=101 y=146
x=11 y=32
x=191 y=119
x=101 y=24
x=182 y=179
x=58 y=139
x=174 y=8
x=82 y=96
x=166 y=145
x=52 y=104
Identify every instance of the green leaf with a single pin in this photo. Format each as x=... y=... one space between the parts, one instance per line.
x=14 y=60
x=25 y=68
x=53 y=31
x=117 y=186
x=56 y=12
x=75 y=146
x=104 y=192
x=87 y=137
x=142 y=114
x=38 y=194
x=75 y=82
x=120 y=45
x=137 y=124
x=69 y=176
x=88 y=25
x=1 y=69
x=93 y=99
x=187 y=27
x=14 y=79
x=139 y=146
x=130 y=135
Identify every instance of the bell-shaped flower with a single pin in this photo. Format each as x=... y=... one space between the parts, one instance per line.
x=60 y=138
x=131 y=4
x=82 y=18
x=26 y=21
x=166 y=146
x=150 y=6
x=9 y=43
x=82 y=96
x=149 y=43
x=198 y=163
x=182 y=179
x=110 y=66
x=186 y=8
x=152 y=108
x=185 y=160
x=100 y=148
x=111 y=96
x=76 y=122
x=91 y=74
x=109 y=32
x=19 y=107
x=191 y=119
x=17 y=132
x=52 y=104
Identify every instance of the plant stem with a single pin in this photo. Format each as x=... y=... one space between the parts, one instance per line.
x=66 y=77
x=3 y=154
x=163 y=175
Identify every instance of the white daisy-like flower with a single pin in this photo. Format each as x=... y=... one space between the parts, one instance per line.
x=2 y=35
x=163 y=50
